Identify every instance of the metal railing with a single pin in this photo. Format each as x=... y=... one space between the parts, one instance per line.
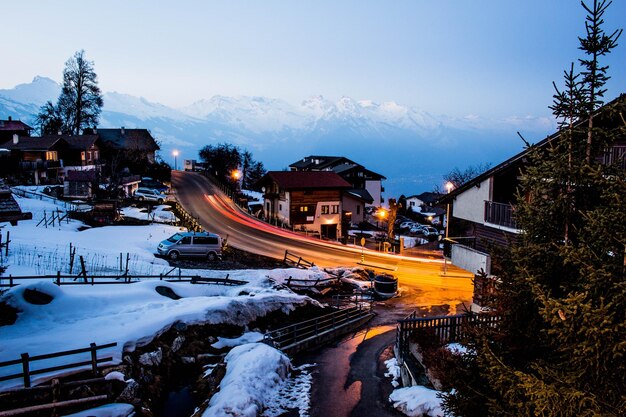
x=500 y=214
x=289 y=336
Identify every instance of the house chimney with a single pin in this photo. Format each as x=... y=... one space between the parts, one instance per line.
x=10 y=118
x=122 y=130
x=16 y=139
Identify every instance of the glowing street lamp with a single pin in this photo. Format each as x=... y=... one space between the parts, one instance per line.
x=175 y=153
x=236 y=174
x=449 y=187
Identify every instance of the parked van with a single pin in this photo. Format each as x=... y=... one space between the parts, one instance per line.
x=148 y=194
x=196 y=244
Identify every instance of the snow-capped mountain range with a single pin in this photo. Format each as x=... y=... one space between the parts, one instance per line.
x=411 y=147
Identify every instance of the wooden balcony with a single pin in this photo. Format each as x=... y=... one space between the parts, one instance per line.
x=500 y=214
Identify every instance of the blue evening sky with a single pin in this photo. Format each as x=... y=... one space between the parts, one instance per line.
x=492 y=58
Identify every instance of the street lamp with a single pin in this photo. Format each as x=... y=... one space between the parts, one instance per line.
x=449 y=187
x=175 y=153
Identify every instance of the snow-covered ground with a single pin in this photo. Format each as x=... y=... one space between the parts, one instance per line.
x=415 y=401
x=134 y=314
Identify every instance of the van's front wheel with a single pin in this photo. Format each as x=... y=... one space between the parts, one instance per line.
x=212 y=257
x=173 y=255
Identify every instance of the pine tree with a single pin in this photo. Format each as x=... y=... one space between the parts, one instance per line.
x=561 y=347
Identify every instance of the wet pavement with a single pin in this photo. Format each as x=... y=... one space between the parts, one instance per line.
x=349 y=377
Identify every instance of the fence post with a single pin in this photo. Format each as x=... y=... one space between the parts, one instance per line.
x=6 y=247
x=59 y=278
x=94 y=359
x=26 y=370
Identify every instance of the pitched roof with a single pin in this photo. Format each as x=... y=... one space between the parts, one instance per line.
x=128 y=139
x=361 y=194
x=298 y=180
x=516 y=159
x=427 y=197
x=78 y=142
x=28 y=143
x=318 y=162
x=14 y=125
x=345 y=168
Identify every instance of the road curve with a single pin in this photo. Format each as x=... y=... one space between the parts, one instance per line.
x=423 y=278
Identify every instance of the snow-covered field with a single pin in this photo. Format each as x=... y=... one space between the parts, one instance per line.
x=134 y=314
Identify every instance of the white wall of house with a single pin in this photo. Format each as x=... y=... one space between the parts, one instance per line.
x=375 y=190
x=333 y=216
x=470 y=259
x=282 y=208
x=414 y=204
x=356 y=207
x=470 y=204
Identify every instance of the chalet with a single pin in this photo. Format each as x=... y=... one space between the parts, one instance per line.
x=357 y=175
x=482 y=210
x=36 y=157
x=306 y=200
x=129 y=140
x=11 y=127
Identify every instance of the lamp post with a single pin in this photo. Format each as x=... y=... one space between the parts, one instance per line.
x=175 y=153
x=449 y=187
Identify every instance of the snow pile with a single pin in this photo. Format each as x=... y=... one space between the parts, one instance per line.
x=457 y=349
x=417 y=401
x=254 y=372
x=294 y=393
x=130 y=315
x=393 y=371
x=160 y=214
x=248 y=337
x=300 y=277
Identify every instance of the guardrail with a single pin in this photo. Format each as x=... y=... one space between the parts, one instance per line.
x=26 y=360
x=289 y=337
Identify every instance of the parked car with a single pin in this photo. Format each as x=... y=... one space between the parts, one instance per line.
x=429 y=231
x=193 y=244
x=147 y=182
x=417 y=229
x=149 y=194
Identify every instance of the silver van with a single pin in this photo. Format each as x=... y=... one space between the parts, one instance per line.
x=197 y=244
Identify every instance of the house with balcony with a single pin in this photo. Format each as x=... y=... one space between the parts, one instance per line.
x=311 y=201
x=38 y=159
x=482 y=211
x=357 y=175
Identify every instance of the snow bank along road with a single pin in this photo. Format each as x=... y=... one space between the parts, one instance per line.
x=218 y=214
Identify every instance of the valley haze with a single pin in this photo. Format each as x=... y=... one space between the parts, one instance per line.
x=411 y=147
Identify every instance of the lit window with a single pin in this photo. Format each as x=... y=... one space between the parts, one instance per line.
x=304 y=209
x=336 y=209
x=325 y=209
x=82 y=156
x=51 y=156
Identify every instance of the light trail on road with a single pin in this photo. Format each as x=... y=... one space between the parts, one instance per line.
x=420 y=278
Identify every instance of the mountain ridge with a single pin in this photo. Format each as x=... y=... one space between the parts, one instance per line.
x=411 y=147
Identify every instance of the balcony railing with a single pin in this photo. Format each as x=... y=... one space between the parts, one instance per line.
x=39 y=165
x=500 y=214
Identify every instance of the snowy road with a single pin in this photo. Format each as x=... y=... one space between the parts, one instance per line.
x=217 y=213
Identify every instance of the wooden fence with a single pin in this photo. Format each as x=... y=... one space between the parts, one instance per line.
x=58 y=279
x=294 y=260
x=26 y=361
x=446 y=329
